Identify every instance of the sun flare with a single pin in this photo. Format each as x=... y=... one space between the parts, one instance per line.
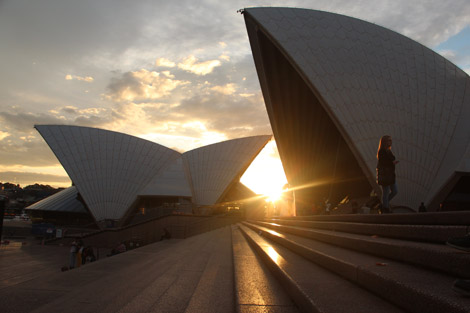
x=265 y=176
x=273 y=195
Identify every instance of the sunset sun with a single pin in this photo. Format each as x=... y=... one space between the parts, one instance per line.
x=273 y=195
x=265 y=176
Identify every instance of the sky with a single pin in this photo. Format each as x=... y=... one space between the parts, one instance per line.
x=179 y=73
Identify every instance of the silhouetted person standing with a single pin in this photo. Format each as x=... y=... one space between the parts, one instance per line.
x=73 y=254
x=386 y=172
x=166 y=234
x=422 y=208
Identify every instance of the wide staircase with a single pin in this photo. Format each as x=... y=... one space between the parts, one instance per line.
x=337 y=263
x=365 y=263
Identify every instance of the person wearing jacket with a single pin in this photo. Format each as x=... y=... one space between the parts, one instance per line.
x=386 y=172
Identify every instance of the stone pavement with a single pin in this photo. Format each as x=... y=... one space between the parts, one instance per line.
x=25 y=259
x=193 y=275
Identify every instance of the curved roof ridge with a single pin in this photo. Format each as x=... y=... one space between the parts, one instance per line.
x=107 y=130
x=228 y=140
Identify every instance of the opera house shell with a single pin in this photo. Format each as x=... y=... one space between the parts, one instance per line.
x=333 y=85
x=115 y=173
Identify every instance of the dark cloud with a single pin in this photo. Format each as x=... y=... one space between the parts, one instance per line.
x=232 y=115
x=21 y=122
x=241 y=113
x=70 y=110
x=125 y=82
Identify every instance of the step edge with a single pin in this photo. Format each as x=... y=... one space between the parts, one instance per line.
x=430 y=301
x=405 y=248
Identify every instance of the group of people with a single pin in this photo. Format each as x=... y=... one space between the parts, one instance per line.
x=120 y=248
x=80 y=254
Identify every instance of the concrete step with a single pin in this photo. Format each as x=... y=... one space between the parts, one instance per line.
x=413 y=232
x=437 y=257
x=431 y=218
x=313 y=288
x=411 y=288
x=256 y=289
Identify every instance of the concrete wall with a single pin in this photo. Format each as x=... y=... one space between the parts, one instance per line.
x=179 y=226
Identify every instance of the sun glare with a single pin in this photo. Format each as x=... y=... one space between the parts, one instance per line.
x=274 y=195
x=265 y=175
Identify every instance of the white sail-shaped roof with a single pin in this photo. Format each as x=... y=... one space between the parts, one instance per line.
x=63 y=201
x=112 y=170
x=215 y=167
x=370 y=81
x=171 y=181
x=108 y=168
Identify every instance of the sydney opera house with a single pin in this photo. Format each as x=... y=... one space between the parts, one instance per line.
x=333 y=85
x=115 y=175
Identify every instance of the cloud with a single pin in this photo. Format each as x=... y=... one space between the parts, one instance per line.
x=73 y=114
x=429 y=22
x=227 y=114
x=448 y=54
x=168 y=74
x=224 y=57
x=164 y=62
x=190 y=64
x=142 y=85
x=3 y=135
x=43 y=41
x=227 y=89
x=29 y=151
x=70 y=110
x=87 y=79
x=21 y=144
x=212 y=106
x=92 y=121
x=23 y=122
x=457 y=57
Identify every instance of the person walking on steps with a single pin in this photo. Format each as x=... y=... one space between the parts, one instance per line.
x=386 y=172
